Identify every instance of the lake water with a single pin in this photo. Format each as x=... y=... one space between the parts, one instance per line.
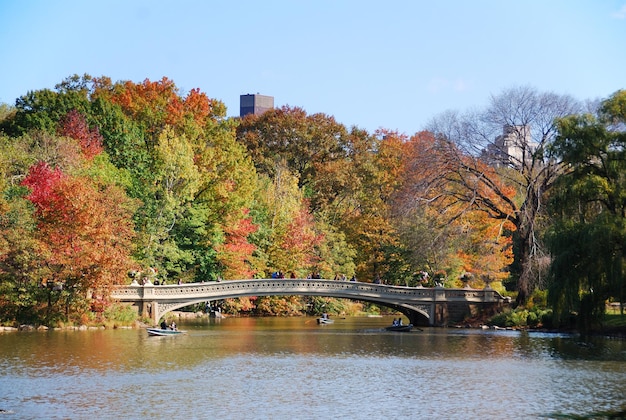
x=292 y=368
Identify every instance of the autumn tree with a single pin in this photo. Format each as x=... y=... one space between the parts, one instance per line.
x=435 y=232
x=290 y=238
x=359 y=199
x=174 y=152
x=513 y=135
x=421 y=227
x=236 y=251
x=304 y=142
x=187 y=169
x=85 y=231
x=156 y=105
x=74 y=125
x=279 y=306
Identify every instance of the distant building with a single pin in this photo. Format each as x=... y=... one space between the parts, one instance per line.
x=255 y=104
x=513 y=147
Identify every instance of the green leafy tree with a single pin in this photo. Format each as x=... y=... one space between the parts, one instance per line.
x=589 y=208
x=42 y=109
x=176 y=183
x=291 y=237
x=305 y=143
x=21 y=266
x=226 y=193
x=6 y=112
x=336 y=257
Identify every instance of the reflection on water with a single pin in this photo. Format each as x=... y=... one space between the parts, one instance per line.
x=294 y=368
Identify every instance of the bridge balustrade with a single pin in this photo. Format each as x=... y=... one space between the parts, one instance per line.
x=416 y=302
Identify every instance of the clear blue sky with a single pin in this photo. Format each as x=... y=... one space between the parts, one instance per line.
x=371 y=64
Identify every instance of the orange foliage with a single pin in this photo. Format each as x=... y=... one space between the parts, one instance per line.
x=389 y=160
x=299 y=242
x=87 y=232
x=198 y=105
x=488 y=250
x=465 y=194
x=158 y=104
x=236 y=252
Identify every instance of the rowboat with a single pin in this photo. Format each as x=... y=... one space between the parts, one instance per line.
x=400 y=328
x=325 y=321
x=163 y=332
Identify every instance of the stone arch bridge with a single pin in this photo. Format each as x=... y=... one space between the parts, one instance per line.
x=423 y=306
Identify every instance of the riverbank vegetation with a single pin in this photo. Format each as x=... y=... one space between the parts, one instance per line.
x=102 y=179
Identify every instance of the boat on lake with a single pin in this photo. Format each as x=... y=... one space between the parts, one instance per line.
x=324 y=319
x=163 y=331
x=400 y=328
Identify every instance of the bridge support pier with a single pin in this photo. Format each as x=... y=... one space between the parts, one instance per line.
x=150 y=310
x=441 y=317
x=145 y=303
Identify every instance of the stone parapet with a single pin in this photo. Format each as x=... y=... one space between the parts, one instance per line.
x=419 y=301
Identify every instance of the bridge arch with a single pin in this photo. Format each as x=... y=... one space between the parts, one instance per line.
x=423 y=306
x=412 y=313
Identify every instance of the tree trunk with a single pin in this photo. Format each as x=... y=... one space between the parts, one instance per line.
x=525 y=282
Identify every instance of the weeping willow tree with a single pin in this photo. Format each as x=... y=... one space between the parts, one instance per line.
x=589 y=205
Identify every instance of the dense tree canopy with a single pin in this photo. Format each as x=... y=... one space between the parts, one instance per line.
x=102 y=178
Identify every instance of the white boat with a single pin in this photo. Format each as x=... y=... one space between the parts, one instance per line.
x=163 y=332
x=323 y=320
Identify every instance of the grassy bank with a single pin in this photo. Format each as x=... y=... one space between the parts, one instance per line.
x=535 y=318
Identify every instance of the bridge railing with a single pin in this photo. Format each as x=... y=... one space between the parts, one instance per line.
x=304 y=287
x=419 y=302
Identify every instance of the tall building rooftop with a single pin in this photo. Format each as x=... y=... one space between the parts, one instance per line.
x=255 y=104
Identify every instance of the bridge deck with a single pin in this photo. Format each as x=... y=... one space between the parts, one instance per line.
x=158 y=300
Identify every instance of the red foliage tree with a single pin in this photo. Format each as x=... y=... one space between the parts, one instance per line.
x=85 y=231
x=42 y=181
x=75 y=126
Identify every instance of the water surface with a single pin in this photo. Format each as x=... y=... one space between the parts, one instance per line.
x=279 y=368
